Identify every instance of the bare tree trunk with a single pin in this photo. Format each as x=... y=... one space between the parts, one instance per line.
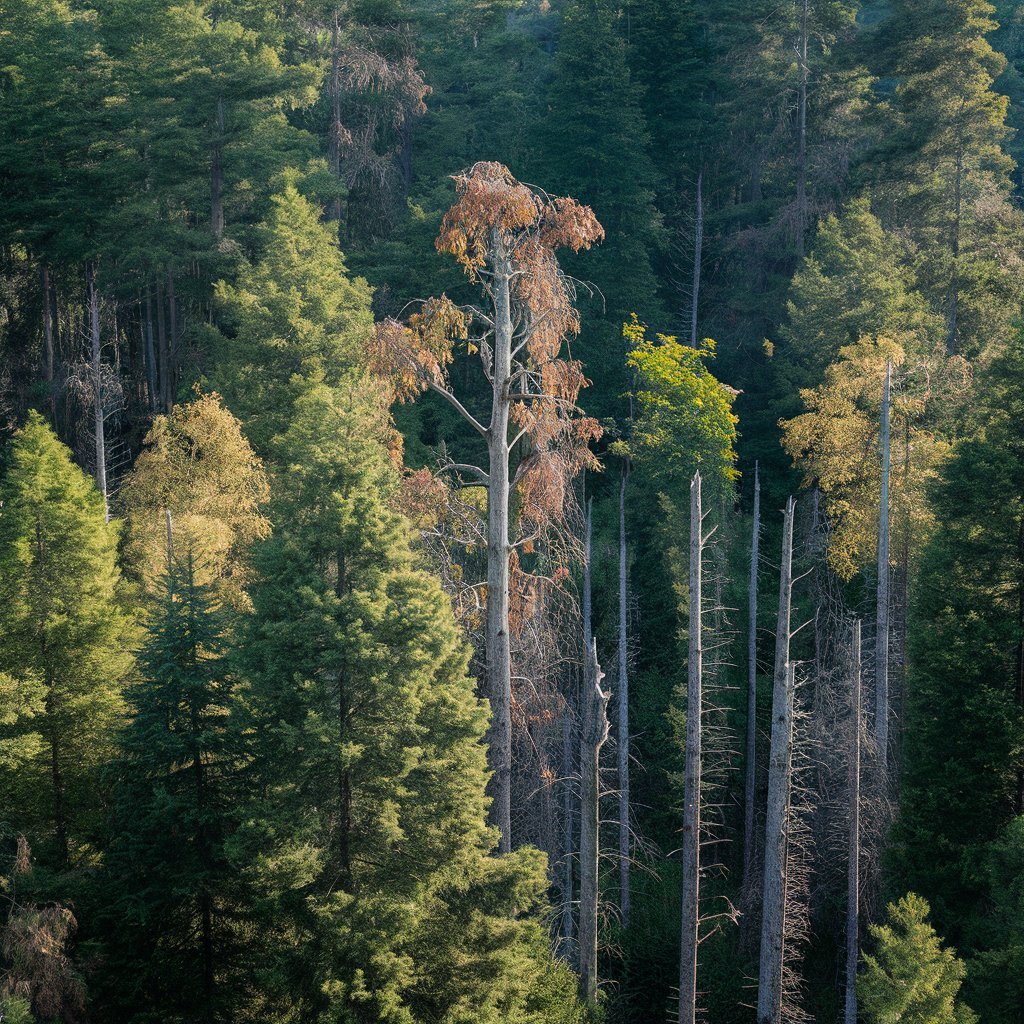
x=773 y=918
x=497 y=641
x=882 y=603
x=151 y=380
x=801 y=159
x=698 y=245
x=750 y=783
x=216 y=174
x=164 y=350
x=335 y=136
x=48 y=342
x=623 y=730
x=568 y=850
x=692 y=771
x=172 y=340
x=97 y=384
x=853 y=875
x=593 y=734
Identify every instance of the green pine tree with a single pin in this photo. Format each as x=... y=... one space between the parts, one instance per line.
x=911 y=977
x=65 y=638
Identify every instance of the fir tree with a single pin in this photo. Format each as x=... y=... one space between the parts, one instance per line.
x=65 y=638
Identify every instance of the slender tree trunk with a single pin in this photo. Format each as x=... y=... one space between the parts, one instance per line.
x=853 y=876
x=48 y=342
x=692 y=770
x=97 y=384
x=750 y=783
x=698 y=245
x=801 y=159
x=593 y=734
x=497 y=640
x=151 y=369
x=568 y=850
x=882 y=602
x=773 y=918
x=623 y=730
x=334 y=139
x=216 y=173
x=166 y=389
x=172 y=340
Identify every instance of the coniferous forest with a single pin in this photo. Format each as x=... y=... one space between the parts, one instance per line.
x=511 y=511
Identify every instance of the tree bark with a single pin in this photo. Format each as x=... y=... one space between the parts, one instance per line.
x=698 y=245
x=172 y=340
x=773 y=915
x=593 y=734
x=497 y=640
x=334 y=139
x=623 y=702
x=151 y=368
x=164 y=350
x=853 y=873
x=692 y=771
x=48 y=343
x=882 y=596
x=97 y=384
x=750 y=783
x=801 y=159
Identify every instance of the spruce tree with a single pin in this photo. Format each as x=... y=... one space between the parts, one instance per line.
x=65 y=638
x=167 y=879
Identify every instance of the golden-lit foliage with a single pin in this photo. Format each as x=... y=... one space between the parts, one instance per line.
x=199 y=466
x=837 y=444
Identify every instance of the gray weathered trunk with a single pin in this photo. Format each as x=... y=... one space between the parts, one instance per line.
x=568 y=928
x=593 y=734
x=692 y=773
x=750 y=782
x=97 y=385
x=497 y=642
x=882 y=603
x=773 y=914
x=853 y=873
x=698 y=245
x=623 y=698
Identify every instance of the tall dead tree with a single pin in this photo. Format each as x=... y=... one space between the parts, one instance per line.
x=773 y=914
x=750 y=782
x=622 y=737
x=505 y=235
x=698 y=245
x=882 y=596
x=692 y=771
x=853 y=877
x=593 y=734
x=99 y=424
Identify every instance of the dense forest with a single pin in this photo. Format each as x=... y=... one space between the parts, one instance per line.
x=511 y=511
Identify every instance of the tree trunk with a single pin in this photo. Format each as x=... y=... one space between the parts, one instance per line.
x=593 y=734
x=692 y=780
x=334 y=139
x=882 y=602
x=773 y=915
x=97 y=384
x=172 y=340
x=623 y=730
x=750 y=783
x=698 y=245
x=151 y=369
x=497 y=641
x=853 y=875
x=568 y=850
x=801 y=159
x=164 y=350
x=48 y=342
x=216 y=174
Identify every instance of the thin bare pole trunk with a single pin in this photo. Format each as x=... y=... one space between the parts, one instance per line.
x=698 y=245
x=593 y=734
x=497 y=640
x=750 y=783
x=48 y=342
x=882 y=603
x=623 y=730
x=150 y=353
x=97 y=385
x=172 y=340
x=335 y=137
x=164 y=349
x=853 y=875
x=801 y=159
x=692 y=772
x=773 y=917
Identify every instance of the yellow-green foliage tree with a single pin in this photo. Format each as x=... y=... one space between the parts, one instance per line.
x=836 y=443
x=199 y=467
